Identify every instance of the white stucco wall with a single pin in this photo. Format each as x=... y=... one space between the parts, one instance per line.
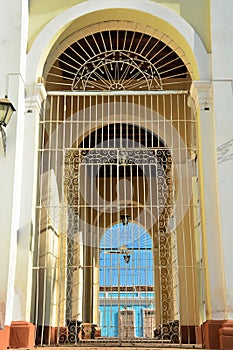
x=13 y=43
x=222 y=71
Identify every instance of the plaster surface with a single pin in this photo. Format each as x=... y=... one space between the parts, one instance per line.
x=145 y=12
x=41 y=12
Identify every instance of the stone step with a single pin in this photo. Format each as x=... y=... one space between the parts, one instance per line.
x=65 y=347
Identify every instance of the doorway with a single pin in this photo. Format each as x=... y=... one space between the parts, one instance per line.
x=118 y=152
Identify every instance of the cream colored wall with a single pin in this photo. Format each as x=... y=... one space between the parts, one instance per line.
x=195 y=12
x=222 y=68
x=41 y=12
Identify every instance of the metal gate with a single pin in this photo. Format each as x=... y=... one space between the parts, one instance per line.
x=119 y=248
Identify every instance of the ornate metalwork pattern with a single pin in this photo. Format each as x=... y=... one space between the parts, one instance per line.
x=116 y=60
x=119 y=256
x=121 y=68
x=123 y=156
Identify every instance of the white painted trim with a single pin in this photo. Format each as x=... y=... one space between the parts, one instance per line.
x=46 y=38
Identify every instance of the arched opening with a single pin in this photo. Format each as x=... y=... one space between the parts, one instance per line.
x=117 y=55
x=118 y=142
x=127 y=298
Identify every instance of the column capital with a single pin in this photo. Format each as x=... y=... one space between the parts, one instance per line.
x=35 y=95
x=201 y=92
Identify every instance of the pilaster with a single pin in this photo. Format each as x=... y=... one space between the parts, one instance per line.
x=222 y=73
x=223 y=111
x=35 y=95
x=14 y=30
x=202 y=95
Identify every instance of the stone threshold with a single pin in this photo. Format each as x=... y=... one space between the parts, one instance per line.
x=108 y=348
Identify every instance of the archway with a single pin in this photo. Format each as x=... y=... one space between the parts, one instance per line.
x=127 y=293
x=118 y=143
x=156 y=15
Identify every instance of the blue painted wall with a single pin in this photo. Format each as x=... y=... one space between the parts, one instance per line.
x=114 y=270
x=109 y=313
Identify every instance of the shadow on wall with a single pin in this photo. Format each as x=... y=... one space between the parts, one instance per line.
x=225 y=152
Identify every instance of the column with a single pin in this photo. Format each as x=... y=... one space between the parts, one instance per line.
x=157 y=285
x=88 y=284
x=96 y=317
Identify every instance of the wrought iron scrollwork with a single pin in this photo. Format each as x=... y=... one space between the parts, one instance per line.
x=168 y=331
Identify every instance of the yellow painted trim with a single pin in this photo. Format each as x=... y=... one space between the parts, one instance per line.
x=42 y=12
x=203 y=219
x=137 y=17
x=195 y=12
